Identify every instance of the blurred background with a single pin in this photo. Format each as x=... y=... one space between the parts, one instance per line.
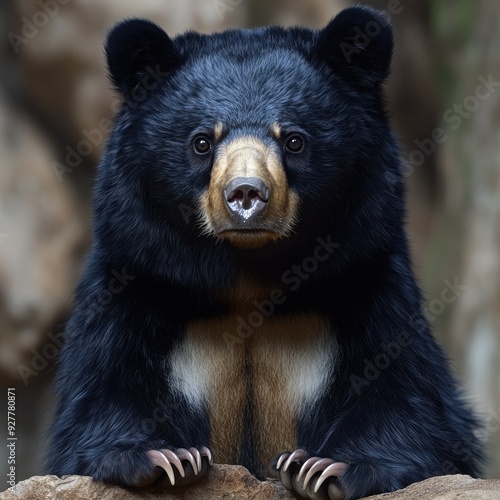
x=55 y=101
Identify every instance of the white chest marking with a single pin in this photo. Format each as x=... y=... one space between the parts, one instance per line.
x=292 y=356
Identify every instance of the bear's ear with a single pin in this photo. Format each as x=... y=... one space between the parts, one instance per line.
x=136 y=48
x=357 y=44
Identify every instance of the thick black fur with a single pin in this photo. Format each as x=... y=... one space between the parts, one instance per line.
x=402 y=425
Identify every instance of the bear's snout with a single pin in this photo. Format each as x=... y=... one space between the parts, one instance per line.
x=246 y=198
x=248 y=201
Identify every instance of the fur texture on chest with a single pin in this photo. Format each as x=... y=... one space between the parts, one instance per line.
x=260 y=384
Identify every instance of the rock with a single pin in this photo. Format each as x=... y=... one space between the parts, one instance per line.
x=458 y=487
x=234 y=482
x=223 y=482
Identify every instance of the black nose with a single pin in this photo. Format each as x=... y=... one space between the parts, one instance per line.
x=246 y=196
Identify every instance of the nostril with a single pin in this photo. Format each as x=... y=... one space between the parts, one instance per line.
x=242 y=194
x=251 y=188
x=237 y=194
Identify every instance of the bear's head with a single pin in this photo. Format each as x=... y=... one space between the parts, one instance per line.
x=249 y=140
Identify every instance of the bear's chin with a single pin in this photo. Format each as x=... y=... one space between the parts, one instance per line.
x=248 y=240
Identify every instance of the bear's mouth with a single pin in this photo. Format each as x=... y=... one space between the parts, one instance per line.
x=248 y=238
x=248 y=231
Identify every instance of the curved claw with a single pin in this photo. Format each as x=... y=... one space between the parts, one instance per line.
x=334 y=470
x=319 y=465
x=197 y=457
x=281 y=459
x=158 y=459
x=184 y=454
x=174 y=459
x=308 y=463
x=296 y=455
x=207 y=453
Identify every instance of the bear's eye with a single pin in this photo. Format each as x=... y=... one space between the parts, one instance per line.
x=202 y=145
x=295 y=144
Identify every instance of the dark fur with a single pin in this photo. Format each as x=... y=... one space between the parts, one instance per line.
x=407 y=424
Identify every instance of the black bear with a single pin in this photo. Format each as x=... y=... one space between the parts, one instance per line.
x=249 y=296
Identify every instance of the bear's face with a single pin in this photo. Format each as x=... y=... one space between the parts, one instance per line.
x=245 y=125
x=248 y=134
x=236 y=139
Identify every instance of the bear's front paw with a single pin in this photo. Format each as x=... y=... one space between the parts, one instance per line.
x=310 y=477
x=182 y=466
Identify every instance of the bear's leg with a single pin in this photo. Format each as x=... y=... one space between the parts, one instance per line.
x=118 y=419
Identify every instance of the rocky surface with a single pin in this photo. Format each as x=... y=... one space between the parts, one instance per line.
x=223 y=482
x=235 y=482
